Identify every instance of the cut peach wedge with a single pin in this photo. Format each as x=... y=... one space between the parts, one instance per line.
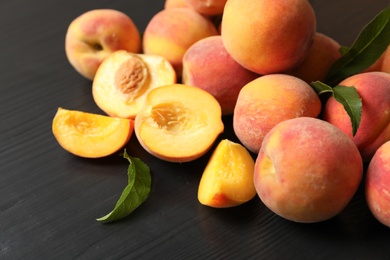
x=124 y=79
x=90 y=135
x=227 y=180
x=178 y=123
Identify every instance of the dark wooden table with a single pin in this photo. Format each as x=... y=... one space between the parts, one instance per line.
x=50 y=199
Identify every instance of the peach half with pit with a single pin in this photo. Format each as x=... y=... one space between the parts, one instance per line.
x=307 y=170
x=124 y=79
x=90 y=135
x=227 y=180
x=93 y=35
x=178 y=123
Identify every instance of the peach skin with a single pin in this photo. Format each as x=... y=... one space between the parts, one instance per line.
x=172 y=31
x=268 y=100
x=377 y=184
x=268 y=36
x=374 y=129
x=95 y=34
x=207 y=65
x=307 y=170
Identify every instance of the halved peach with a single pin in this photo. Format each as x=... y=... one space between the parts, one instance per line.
x=227 y=180
x=90 y=135
x=178 y=123
x=124 y=79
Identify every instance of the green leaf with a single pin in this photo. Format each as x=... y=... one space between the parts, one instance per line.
x=350 y=99
x=135 y=193
x=347 y=96
x=321 y=88
x=367 y=48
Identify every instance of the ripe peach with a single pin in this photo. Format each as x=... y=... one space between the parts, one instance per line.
x=323 y=53
x=377 y=184
x=268 y=36
x=90 y=135
x=178 y=123
x=227 y=180
x=207 y=65
x=207 y=7
x=268 y=100
x=374 y=129
x=175 y=3
x=172 y=31
x=124 y=79
x=307 y=170
x=94 y=35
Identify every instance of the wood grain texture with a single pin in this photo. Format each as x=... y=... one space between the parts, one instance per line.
x=50 y=199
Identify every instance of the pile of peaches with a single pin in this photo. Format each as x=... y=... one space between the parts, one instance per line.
x=198 y=61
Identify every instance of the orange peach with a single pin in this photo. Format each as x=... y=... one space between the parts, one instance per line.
x=374 y=129
x=227 y=180
x=94 y=35
x=124 y=79
x=207 y=65
x=207 y=7
x=175 y=3
x=178 y=123
x=323 y=53
x=268 y=100
x=307 y=170
x=377 y=185
x=90 y=135
x=172 y=31
x=268 y=36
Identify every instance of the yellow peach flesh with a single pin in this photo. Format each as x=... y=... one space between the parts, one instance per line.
x=178 y=122
x=90 y=135
x=227 y=180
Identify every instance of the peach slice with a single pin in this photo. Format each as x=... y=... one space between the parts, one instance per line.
x=124 y=79
x=227 y=180
x=178 y=123
x=90 y=135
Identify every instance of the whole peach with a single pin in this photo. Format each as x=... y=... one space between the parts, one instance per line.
x=307 y=170
x=175 y=3
x=323 y=53
x=377 y=184
x=95 y=34
x=374 y=129
x=207 y=7
x=172 y=31
x=268 y=36
x=268 y=100
x=207 y=65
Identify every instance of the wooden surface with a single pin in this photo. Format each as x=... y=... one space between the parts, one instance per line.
x=50 y=199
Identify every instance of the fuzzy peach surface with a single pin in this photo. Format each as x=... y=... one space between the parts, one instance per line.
x=268 y=36
x=92 y=36
x=207 y=65
x=377 y=184
x=307 y=170
x=172 y=31
x=268 y=100
x=374 y=129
